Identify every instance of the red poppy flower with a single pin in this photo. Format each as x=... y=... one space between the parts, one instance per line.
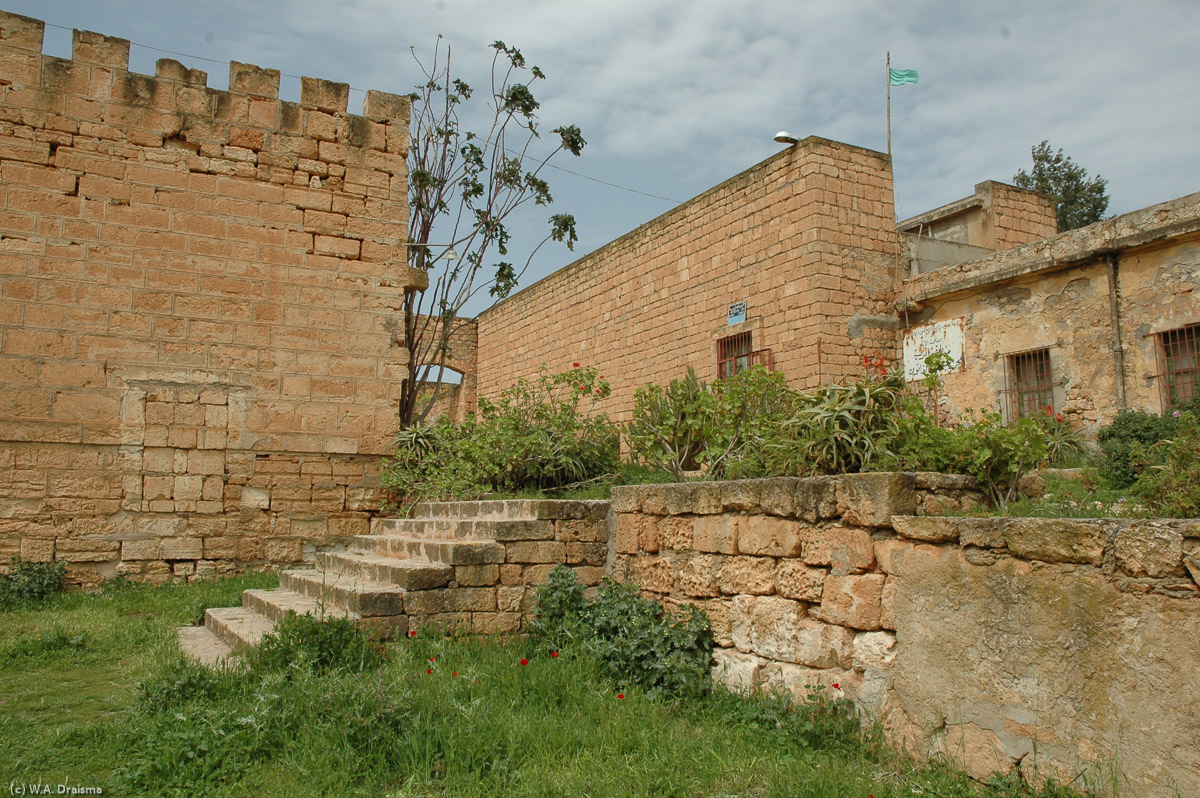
x=524 y=662
x=554 y=655
x=429 y=670
x=620 y=695
x=836 y=686
x=431 y=659
x=583 y=388
x=453 y=673
x=574 y=365
x=412 y=634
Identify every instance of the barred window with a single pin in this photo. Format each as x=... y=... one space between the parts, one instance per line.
x=1179 y=365
x=736 y=353
x=1029 y=386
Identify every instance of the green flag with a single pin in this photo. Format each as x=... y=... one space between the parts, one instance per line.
x=899 y=77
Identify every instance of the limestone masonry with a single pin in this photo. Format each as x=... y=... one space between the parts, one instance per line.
x=198 y=298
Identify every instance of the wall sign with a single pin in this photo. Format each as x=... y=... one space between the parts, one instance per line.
x=939 y=336
x=737 y=313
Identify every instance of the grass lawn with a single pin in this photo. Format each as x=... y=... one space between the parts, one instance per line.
x=93 y=694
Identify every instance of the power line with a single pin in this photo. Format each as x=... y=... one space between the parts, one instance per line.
x=363 y=91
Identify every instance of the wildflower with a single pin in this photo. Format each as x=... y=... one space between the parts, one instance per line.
x=1058 y=418
x=412 y=634
x=574 y=365
x=453 y=673
x=433 y=659
x=554 y=655
x=866 y=360
x=583 y=388
x=836 y=686
x=524 y=662
x=1049 y=410
x=429 y=670
x=620 y=695
x=1175 y=414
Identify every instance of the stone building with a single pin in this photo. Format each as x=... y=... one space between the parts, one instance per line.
x=198 y=299
x=200 y=355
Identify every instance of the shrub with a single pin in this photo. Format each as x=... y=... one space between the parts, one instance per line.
x=536 y=435
x=1125 y=445
x=30 y=582
x=1173 y=485
x=844 y=428
x=723 y=429
x=317 y=644
x=631 y=637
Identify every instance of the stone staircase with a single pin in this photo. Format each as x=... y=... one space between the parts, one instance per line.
x=468 y=565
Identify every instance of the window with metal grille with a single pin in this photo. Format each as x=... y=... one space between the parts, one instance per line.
x=736 y=353
x=1179 y=364
x=1030 y=389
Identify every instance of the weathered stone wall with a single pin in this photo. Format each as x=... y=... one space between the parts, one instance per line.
x=997 y=216
x=1057 y=294
x=977 y=638
x=197 y=309
x=806 y=237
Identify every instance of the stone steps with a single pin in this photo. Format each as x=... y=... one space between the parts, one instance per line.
x=469 y=565
x=199 y=643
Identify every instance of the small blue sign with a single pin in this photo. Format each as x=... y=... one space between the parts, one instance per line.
x=737 y=313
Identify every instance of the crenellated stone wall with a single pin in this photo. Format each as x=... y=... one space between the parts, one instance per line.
x=1056 y=646
x=199 y=354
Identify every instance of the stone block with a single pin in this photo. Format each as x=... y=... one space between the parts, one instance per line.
x=715 y=533
x=477 y=575
x=930 y=529
x=648 y=534
x=697 y=575
x=741 y=622
x=753 y=575
x=873 y=650
x=845 y=549
x=471 y=599
x=35 y=550
x=1056 y=540
x=795 y=580
x=674 y=533
x=767 y=536
x=887 y=603
x=510 y=598
x=220 y=548
x=589 y=575
x=1150 y=549
x=652 y=573
x=181 y=548
x=852 y=601
x=741 y=495
x=735 y=670
x=986 y=533
x=816 y=499
x=629 y=532
x=626 y=499
x=777 y=496
x=547 y=551
x=872 y=499
x=781 y=629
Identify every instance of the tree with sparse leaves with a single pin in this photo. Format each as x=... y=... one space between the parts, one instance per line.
x=1079 y=200
x=462 y=188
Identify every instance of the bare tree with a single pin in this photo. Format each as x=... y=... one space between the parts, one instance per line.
x=462 y=188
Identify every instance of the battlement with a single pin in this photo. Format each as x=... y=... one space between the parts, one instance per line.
x=94 y=93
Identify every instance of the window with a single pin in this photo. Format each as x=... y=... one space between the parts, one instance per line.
x=736 y=353
x=1179 y=364
x=1029 y=387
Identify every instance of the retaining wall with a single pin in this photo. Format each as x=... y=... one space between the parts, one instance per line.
x=1057 y=646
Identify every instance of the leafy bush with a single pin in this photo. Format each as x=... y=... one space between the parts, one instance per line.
x=1173 y=485
x=1063 y=446
x=30 y=582
x=723 y=429
x=631 y=636
x=535 y=435
x=844 y=428
x=317 y=644
x=1125 y=445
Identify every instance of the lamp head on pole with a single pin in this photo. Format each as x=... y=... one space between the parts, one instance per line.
x=783 y=137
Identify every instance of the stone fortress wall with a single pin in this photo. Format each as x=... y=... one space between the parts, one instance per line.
x=199 y=356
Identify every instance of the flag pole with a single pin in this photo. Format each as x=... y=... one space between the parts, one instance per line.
x=888 y=79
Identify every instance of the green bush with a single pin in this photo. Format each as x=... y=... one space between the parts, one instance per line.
x=724 y=429
x=1125 y=445
x=1173 y=485
x=30 y=582
x=536 y=435
x=633 y=639
x=316 y=644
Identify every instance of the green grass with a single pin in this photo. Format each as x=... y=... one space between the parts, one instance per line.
x=1073 y=498
x=479 y=724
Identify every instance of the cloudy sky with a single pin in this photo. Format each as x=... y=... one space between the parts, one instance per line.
x=675 y=96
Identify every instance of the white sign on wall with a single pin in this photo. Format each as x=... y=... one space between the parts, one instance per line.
x=921 y=342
